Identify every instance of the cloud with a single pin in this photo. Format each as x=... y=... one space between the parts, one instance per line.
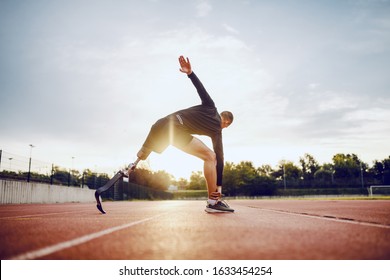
x=332 y=101
x=230 y=29
x=203 y=8
x=364 y=47
x=87 y=90
x=313 y=86
x=370 y=119
x=97 y=79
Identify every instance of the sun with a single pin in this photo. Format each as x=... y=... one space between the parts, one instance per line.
x=175 y=162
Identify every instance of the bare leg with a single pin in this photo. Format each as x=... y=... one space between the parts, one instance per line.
x=199 y=149
x=143 y=153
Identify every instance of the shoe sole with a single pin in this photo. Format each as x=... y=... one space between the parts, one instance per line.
x=210 y=210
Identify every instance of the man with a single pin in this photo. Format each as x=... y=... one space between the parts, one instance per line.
x=178 y=128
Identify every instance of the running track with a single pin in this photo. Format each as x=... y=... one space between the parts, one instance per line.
x=171 y=230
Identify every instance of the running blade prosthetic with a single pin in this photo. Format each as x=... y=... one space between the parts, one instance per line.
x=119 y=175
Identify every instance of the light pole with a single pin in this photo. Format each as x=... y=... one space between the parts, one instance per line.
x=10 y=166
x=284 y=176
x=29 y=164
x=71 y=173
x=361 y=174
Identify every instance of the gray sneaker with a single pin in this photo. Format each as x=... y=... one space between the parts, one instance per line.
x=219 y=207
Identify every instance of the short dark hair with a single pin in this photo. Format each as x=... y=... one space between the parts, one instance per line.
x=227 y=116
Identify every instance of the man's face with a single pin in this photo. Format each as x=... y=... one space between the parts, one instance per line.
x=225 y=123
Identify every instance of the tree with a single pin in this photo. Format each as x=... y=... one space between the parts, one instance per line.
x=265 y=170
x=288 y=172
x=246 y=173
x=245 y=179
x=381 y=171
x=309 y=167
x=60 y=176
x=182 y=184
x=324 y=175
x=197 y=181
x=378 y=170
x=346 y=166
x=386 y=171
x=230 y=179
x=160 y=180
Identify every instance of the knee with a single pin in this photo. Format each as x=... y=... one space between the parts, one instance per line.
x=210 y=156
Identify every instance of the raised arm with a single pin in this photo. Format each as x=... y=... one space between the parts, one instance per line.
x=185 y=67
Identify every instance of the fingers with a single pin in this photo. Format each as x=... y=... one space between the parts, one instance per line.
x=185 y=66
x=182 y=60
x=215 y=195
x=182 y=63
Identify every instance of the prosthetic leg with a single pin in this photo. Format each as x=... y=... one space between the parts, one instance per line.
x=119 y=175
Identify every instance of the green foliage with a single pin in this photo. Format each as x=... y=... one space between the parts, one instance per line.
x=345 y=172
x=245 y=179
x=193 y=194
x=309 y=167
x=159 y=180
x=381 y=171
x=346 y=166
x=197 y=181
x=182 y=184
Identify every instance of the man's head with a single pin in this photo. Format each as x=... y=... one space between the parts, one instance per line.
x=226 y=119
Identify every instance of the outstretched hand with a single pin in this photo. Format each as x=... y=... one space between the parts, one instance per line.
x=185 y=65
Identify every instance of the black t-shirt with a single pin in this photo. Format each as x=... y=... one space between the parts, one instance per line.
x=204 y=119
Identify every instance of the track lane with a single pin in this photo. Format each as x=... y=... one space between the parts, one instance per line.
x=258 y=230
x=77 y=241
x=29 y=233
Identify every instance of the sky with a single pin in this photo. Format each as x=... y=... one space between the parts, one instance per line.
x=83 y=81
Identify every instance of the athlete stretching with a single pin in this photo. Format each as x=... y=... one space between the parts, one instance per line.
x=178 y=128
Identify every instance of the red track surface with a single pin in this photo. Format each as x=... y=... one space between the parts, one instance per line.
x=260 y=229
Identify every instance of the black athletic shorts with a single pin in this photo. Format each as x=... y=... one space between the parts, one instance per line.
x=167 y=131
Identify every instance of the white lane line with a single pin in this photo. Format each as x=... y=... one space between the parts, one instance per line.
x=39 y=215
x=335 y=219
x=77 y=241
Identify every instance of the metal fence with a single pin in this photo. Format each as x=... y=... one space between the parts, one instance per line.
x=20 y=164
x=16 y=167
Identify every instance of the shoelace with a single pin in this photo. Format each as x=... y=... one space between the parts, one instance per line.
x=224 y=203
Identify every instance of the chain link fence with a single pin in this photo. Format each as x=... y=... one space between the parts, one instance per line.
x=16 y=167
x=16 y=163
